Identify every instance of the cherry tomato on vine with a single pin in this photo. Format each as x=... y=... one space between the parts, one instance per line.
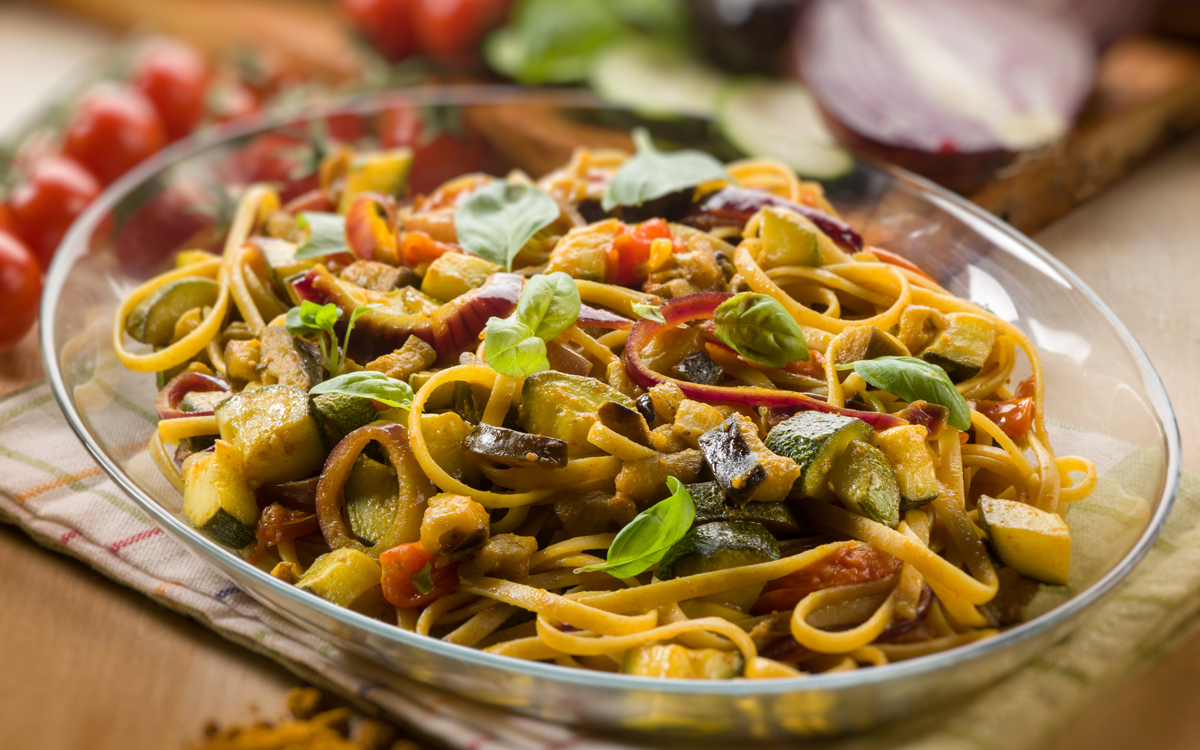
x=449 y=28
x=174 y=77
x=443 y=145
x=20 y=290
x=114 y=128
x=232 y=100
x=45 y=203
x=387 y=25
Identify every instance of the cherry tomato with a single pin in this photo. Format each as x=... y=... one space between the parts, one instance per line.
x=1013 y=416
x=443 y=146
x=387 y=24
x=631 y=248
x=345 y=128
x=20 y=290
x=47 y=201
x=114 y=128
x=419 y=248
x=174 y=78
x=449 y=28
x=849 y=565
x=401 y=564
x=7 y=224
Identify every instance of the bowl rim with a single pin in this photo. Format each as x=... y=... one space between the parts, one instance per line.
x=73 y=246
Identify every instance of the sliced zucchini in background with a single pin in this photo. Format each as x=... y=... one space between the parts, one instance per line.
x=217 y=499
x=962 y=348
x=673 y=660
x=863 y=480
x=152 y=321
x=278 y=431
x=780 y=120
x=815 y=441
x=280 y=257
x=656 y=80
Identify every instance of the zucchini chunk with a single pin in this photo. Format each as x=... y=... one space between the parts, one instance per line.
x=341 y=576
x=743 y=466
x=778 y=518
x=694 y=418
x=278 y=431
x=673 y=660
x=513 y=448
x=962 y=347
x=371 y=495
x=202 y=400
x=455 y=274
x=344 y=414
x=788 y=239
x=444 y=435
x=565 y=407
x=217 y=500
x=912 y=462
x=700 y=368
x=815 y=441
x=280 y=257
x=152 y=321
x=1032 y=542
x=866 y=342
x=289 y=360
x=863 y=480
x=721 y=545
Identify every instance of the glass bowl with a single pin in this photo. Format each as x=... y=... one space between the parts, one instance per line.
x=1102 y=394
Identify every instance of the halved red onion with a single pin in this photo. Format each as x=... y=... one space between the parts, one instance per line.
x=166 y=403
x=701 y=306
x=1105 y=21
x=952 y=89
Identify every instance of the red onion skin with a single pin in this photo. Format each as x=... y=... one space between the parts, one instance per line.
x=590 y=316
x=737 y=205
x=371 y=228
x=166 y=403
x=298 y=495
x=1105 y=21
x=699 y=306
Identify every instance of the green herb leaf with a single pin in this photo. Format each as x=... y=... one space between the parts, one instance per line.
x=915 y=379
x=423 y=580
x=649 y=312
x=495 y=222
x=511 y=349
x=652 y=173
x=326 y=234
x=369 y=384
x=645 y=539
x=757 y=327
x=310 y=317
x=549 y=304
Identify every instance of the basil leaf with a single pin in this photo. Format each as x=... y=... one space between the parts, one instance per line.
x=326 y=234
x=549 y=304
x=310 y=317
x=511 y=349
x=645 y=539
x=422 y=581
x=649 y=312
x=496 y=221
x=368 y=384
x=757 y=327
x=652 y=173
x=915 y=379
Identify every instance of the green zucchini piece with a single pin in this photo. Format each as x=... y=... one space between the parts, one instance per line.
x=789 y=239
x=371 y=495
x=445 y=435
x=217 y=499
x=815 y=441
x=718 y=546
x=673 y=660
x=778 y=518
x=278 y=431
x=912 y=462
x=963 y=346
x=455 y=274
x=1032 y=542
x=341 y=576
x=565 y=407
x=863 y=480
x=866 y=342
x=202 y=400
x=345 y=413
x=290 y=360
x=152 y=321
x=280 y=257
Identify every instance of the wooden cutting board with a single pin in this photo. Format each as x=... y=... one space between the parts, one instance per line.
x=1147 y=94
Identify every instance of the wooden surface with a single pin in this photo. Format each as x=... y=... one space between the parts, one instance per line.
x=87 y=664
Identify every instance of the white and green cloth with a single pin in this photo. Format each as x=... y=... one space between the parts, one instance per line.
x=50 y=487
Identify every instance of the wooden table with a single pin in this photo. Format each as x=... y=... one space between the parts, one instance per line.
x=85 y=663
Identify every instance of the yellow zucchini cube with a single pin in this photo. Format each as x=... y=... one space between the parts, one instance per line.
x=341 y=576
x=1032 y=542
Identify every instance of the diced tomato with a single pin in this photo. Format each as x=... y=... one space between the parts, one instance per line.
x=631 y=248
x=401 y=563
x=899 y=261
x=419 y=248
x=849 y=565
x=1027 y=388
x=1013 y=416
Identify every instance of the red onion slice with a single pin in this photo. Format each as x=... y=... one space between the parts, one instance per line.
x=1104 y=20
x=590 y=316
x=737 y=205
x=166 y=403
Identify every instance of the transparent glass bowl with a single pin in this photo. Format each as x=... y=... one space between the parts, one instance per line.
x=1097 y=380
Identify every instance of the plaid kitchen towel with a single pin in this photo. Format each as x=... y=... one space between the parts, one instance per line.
x=50 y=487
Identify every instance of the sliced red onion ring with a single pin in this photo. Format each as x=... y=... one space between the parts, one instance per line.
x=590 y=316
x=736 y=205
x=166 y=403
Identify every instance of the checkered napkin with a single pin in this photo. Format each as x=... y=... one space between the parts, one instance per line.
x=50 y=487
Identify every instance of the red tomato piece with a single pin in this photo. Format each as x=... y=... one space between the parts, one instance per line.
x=401 y=563
x=174 y=77
x=849 y=565
x=387 y=24
x=47 y=201
x=114 y=128
x=443 y=146
x=20 y=290
x=1013 y=416
x=631 y=248
x=450 y=28
x=419 y=247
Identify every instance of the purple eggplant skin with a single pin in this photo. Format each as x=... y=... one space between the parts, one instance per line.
x=630 y=423
x=733 y=206
x=733 y=463
x=700 y=368
x=517 y=449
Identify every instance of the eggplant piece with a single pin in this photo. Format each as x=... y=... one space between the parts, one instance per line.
x=380 y=277
x=625 y=422
x=288 y=360
x=867 y=342
x=512 y=448
x=780 y=519
x=645 y=407
x=744 y=468
x=699 y=368
x=465 y=404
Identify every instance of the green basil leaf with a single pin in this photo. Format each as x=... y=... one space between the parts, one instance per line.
x=422 y=581
x=553 y=41
x=511 y=349
x=369 y=384
x=495 y=222
x=649 y=312
x=549 y=304
x=295 y=324
x=915 y=379
x=326 y=234
x=757 y=327
x=645 y=539
x=324 y=317
x=652 y=173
